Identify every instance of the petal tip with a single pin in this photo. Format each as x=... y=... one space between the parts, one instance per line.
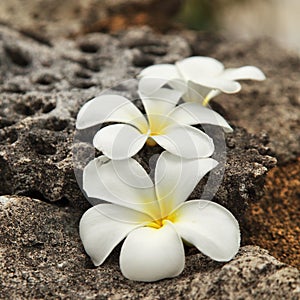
x=96 y=262
x=258 y=74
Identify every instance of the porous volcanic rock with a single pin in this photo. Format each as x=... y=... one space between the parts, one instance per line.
x=43 y=87
x=239 y=178
x=42 y=258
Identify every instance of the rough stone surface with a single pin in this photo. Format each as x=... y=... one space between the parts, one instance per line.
x=242 y=173
x=238 y=180
x=42 y=257
x=253 y=274
x=43 y=88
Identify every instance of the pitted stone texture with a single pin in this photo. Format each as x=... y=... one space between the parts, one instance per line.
x=42 y=257
x=35 y=150
x=242 y=169
x=93 y=60
x=42 y=89
x=148 y=47
x=239 y=178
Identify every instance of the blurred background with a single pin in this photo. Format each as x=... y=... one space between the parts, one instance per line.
x=247 y=19
x=238 y=19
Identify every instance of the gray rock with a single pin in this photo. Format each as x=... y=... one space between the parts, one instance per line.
x=43 y=88
x=239 y=178
x=42 y=258
x=252 y=274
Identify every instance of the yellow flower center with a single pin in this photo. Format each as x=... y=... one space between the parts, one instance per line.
x=160 y=222
x=157 y=124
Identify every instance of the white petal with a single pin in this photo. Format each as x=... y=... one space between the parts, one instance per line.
x=185 y=141
x=198 y=67
x=109 y=108
x=195 y=92
x=123 y=214
x=195 y=113
x=150 y=254
x=225 y=85
x=179 y=85
x=100 y=233
x=247 y=72
x=160 y=102
x=119 y=141
x=162 y=71
x=176 y=178
x=210 y=227
x=122 y=182
x=149 y=85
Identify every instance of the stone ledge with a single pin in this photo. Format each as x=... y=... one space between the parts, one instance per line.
x=42 y=257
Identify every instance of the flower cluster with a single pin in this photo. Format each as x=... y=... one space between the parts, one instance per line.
x=199 y=78
x=154 y=216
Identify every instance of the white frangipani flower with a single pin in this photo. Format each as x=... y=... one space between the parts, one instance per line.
x=200 y=77
x=165 y=124
x=153 y=218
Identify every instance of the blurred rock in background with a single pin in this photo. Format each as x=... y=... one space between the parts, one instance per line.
x=236 y=19
x=71 y=17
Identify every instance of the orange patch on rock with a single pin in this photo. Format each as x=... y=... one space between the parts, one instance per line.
x=274 y=222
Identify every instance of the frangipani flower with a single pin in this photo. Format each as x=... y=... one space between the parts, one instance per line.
x=165 y=124
x=153 y=218
x=200 y=77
